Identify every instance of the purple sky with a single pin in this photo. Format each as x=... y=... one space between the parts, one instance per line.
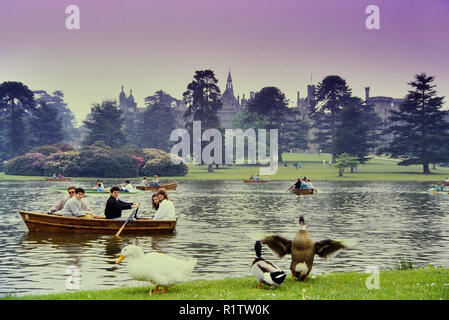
x=158 y=44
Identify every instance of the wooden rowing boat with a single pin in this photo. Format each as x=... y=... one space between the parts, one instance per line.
x=302 y=191
x=43 y=222
x=255 y=181
x=58 y=179
x=92 y=192
x=166 y=186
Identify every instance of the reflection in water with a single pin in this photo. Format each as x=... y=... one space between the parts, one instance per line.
x=216 y=220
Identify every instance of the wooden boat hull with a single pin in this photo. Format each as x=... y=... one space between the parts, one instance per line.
x=58 y=179
x=255 y=181
x=166 y=186
x=43 y=222
x=302 y=191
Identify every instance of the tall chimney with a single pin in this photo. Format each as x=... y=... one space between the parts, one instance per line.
x=366 y=94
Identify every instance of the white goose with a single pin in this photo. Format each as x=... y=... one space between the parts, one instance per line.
x=158 y=268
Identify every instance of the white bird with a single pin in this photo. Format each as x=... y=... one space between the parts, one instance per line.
x=158 y=268
x=265 y=271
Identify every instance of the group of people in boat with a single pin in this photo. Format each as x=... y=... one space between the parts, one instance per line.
x=440 y=186
x=126 y=187
x=152 y=183
x=257 y=178
x=74 y=206
x=303 y=183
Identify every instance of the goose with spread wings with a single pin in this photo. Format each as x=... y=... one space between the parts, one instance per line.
x=302 y=249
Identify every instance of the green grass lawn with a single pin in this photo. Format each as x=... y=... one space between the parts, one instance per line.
x=375 y=169
x=429 y=284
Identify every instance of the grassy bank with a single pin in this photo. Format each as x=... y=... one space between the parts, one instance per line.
x=393 y=285
x=377 y=169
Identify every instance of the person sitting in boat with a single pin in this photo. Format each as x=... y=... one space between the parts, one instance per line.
x=60 y=176
x=114 y=205
x=54 y=176
x=252 y=177
x=309 y=184
x=60 y=205
x=144 y=182
x=155 y=181
x=73 y=206
x=297 y=184
x=155 y=201
x=257 y=177
x=166 y=210
x=128 y=187
x=439 y=187
x=99 y=186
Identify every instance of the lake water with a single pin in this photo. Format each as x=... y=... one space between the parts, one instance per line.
x=217 y=220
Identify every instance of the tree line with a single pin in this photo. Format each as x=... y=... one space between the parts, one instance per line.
x=340 y=123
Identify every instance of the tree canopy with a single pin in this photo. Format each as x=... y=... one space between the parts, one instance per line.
x=419 y=127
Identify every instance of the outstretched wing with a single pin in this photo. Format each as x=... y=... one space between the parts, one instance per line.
x=278 y=245
x=325 y=248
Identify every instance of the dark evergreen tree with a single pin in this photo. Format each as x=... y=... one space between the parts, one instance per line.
x=202 y=99
x=56 y=99
x=16 y=101
x=356 y=130
x=330 y=97
x=45 y=125
x=419 y=127
x=105 y=123
x=270 y=104
x=158 y=121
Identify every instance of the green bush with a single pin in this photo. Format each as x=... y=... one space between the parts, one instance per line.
x=159 y=162
x=96 y=160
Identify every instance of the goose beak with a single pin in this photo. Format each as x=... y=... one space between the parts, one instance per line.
x=120 y=259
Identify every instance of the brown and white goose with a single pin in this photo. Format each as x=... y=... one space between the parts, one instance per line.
x=302 y=249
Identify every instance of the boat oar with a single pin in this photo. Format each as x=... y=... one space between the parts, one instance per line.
x=129 y=218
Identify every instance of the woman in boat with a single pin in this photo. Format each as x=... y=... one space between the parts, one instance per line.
x=252 y=177
x=73 y=206
x=155 y=181
x=155 y=201
x=309 y=184
x=439 y=187
x=166 y=210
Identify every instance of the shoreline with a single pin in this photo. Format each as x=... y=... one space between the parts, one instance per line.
x=428 y=283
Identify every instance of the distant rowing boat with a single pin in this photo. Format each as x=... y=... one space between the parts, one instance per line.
x=58 y=179
x=166 y=186
x=255 y=181
x=302 y=191
x=43 y=222
x=91 y=192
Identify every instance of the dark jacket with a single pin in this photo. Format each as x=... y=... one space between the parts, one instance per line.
x=114 y=208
